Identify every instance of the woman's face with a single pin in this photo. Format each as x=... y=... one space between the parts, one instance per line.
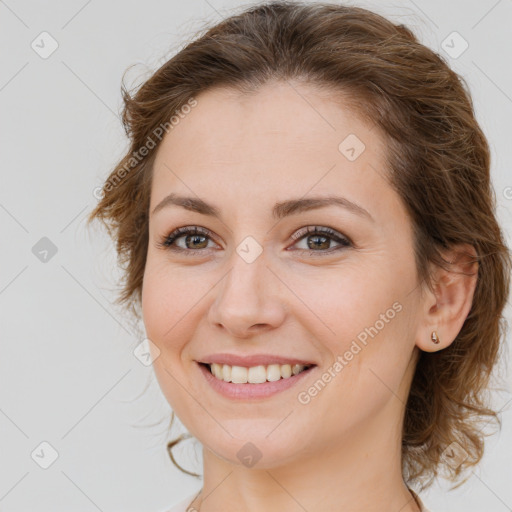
x=255 y=282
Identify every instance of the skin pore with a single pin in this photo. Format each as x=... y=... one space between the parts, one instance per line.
x=243 y=154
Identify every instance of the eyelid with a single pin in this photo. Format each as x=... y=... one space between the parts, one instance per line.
x=343 y=241
x=319 y=229
x=168 y=241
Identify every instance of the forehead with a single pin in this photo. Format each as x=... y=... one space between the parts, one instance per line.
x=284 y=139
x=279 y=115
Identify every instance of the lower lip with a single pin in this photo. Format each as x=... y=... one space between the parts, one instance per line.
x=252 y=391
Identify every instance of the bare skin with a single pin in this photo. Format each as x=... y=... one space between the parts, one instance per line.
x=242 y=154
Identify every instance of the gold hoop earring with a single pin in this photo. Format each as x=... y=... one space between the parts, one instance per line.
x=434 y=337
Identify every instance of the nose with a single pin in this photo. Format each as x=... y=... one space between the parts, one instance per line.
x=248 y=300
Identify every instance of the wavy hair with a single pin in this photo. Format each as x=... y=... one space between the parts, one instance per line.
x=438 y=161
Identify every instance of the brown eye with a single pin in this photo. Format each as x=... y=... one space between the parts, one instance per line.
x=319 y=239
x=195 y=239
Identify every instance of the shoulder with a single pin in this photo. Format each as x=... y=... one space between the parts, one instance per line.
x=183 y=504
x=418 y=499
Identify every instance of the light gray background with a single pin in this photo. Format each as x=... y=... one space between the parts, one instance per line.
x=67 y=369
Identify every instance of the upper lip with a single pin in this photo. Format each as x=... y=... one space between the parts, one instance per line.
x=253 y=360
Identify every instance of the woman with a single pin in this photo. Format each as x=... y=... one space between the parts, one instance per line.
x=306 y=224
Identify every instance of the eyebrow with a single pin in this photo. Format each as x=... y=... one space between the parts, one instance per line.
x=279 y=211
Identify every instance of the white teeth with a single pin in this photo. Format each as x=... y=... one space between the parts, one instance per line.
x=255 y=374
x=297 y=368
x=217 y=371
x=286 y=371
x=226 y=373
x=238 y=374
x=273 y=372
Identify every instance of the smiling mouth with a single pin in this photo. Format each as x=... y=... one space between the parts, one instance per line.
x=255 y=374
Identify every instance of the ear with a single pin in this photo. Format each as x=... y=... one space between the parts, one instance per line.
x=445 y=310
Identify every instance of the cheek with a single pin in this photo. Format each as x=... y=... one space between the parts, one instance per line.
x=162 y=306
x=373 y=351
x=154 y=305
x=362 y=318
x=164 y=297
x=174 y=301
x=341 y=303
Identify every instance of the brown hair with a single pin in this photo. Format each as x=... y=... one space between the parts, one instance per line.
x=438 y=161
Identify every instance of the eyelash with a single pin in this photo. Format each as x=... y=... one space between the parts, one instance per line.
x=167 y=242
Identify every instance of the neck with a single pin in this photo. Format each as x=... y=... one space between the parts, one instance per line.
x=361 y=473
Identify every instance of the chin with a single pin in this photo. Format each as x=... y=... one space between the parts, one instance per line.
x=258 y=451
